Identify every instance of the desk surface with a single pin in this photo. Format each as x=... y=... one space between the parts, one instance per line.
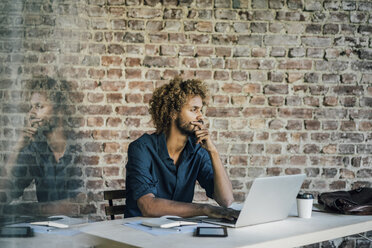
x=291 y=232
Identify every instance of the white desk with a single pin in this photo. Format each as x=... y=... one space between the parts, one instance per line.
x=291 y=232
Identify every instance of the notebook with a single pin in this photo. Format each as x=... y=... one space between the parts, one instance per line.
x=269 y=199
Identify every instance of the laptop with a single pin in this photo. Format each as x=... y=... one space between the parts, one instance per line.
x=269 y=199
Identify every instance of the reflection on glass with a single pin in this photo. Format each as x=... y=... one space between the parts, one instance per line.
x=44 y=155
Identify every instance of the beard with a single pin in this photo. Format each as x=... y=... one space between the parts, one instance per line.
x=44 y=127
x=184 y=127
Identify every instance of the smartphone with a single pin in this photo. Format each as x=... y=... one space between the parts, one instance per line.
x=16 y=231
x=211 y=232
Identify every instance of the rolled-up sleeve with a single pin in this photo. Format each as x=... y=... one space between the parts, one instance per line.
x=139 y=178
x=206 y=176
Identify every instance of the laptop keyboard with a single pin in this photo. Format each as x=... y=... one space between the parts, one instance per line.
x=222 y=220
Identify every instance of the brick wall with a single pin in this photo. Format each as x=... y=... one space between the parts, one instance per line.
x=290 y=81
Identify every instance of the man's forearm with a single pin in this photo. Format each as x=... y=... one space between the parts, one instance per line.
x=223 y=193
x=151 y=206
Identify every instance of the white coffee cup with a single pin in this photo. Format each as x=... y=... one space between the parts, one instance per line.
x=304 y=205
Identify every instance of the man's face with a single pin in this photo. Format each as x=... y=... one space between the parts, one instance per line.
x=41 y=111
x=191 y=111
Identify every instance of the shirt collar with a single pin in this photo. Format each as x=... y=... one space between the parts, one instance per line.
x=190 y=146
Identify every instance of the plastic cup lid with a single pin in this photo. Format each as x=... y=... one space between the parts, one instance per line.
x=305 y=196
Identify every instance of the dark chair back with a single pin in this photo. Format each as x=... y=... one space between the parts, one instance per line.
x=112 y=209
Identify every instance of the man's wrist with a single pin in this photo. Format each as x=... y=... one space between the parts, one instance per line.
x=213 y=152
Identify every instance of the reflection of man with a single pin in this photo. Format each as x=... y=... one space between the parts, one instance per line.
x=163 y=168
x=42 y=152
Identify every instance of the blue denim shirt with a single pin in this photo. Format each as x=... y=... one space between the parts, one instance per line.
x=151 y=170
x=54 y=180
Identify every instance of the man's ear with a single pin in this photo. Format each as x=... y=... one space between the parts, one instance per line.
x=173 y=115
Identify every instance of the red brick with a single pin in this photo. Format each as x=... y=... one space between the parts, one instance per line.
x=94 y=184
x=365 y=126
x=252 y=88
x=112 y=85
x=259 y=161
x=95 y=122
x=111 y=61
x=132 y=122
x=232 y=88
x=221 y=75
x=257 y=124
x=295 y=113
x=93 y=147
x=114 y=97
x=95 y=97
x=257 y=100
x=295 y=64
x=87 y=160
x=133 y=73
x=261 y=112
x=279 y=137
x=276 y=101
x=133 y=62
x=222 y=112
x=231 y=64
x=133 y=98
x=203 y=75
x=96 y=73
x=297 y=160
x=330 y=101
x=293 y=77
x=111 y=171
x=239 y=100
x=204 y=27
x=136 y=110
x=276 y=124
x=141 y=85
x=237 y=172
x=238 y=160
x=280 y=160
x=337 y=185
x=93 y=172
x=258 y=52
x=218 y=99
x=190 y=62
x=167 y=50
x=249 y=64
x=113 y=122
x=312 y=124
x=239 y=75
x=105 y=134
x=204 y=51
x=275 y=171
x=113 y=159
x=95 y=110
x=348 y=126
x=330 y=149
x=292 y=171
x=170 y=74
x=223 y=51
x=153 y=75
x=294 y=125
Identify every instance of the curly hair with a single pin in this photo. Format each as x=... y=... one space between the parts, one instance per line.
x=168 y=99
x=55 y=90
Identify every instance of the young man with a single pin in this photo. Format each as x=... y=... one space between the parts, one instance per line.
x=43 y=153
x=163 y=167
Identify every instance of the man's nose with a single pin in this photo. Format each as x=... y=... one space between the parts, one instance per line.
x=32 y=111
x=200 y=116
